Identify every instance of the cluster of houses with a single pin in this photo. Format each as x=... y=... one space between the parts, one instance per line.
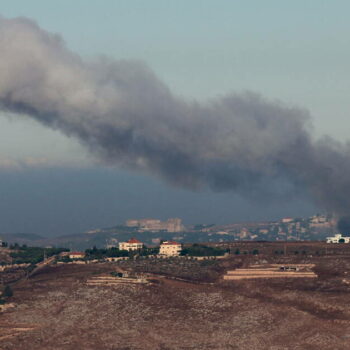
x=167 y=248
x=338 y=238
x=171 y=248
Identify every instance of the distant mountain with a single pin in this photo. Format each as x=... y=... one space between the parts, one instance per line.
x=21 y=238
x=104 y=237
x=287 y=229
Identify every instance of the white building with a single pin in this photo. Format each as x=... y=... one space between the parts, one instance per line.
x=76 y=255
x=170 y=248
x=155 y=225
x=131 y=244
x=338 y=238
x=287 y=220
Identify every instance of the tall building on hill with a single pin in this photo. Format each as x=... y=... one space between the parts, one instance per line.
x=170 y=248
x=131 y=244
x=171 y=225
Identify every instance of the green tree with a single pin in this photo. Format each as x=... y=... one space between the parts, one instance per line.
x=203 y=250
x=8 y=292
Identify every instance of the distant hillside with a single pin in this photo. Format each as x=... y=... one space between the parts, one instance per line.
x=57 y=309
x=109 y=236
x=287 y=230
x=22 y=238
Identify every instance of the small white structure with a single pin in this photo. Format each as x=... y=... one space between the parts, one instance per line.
x=112 y=259
x=170 y=248
x=131 y=244
x=76 y=255
x=338 y=238
x=155 y=225
x=287 y=220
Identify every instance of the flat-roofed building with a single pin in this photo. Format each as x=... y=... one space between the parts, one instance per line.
x=170 y=248
x=154 y=225
x=76 y=255
x=338 y=238
x=287 y=220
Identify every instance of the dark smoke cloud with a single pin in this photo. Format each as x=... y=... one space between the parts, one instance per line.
x=343 y=225
x=127 y=116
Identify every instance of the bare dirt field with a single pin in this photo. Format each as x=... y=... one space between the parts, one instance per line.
x=56 y=309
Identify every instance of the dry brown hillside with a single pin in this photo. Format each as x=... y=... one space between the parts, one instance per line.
x=55 y=309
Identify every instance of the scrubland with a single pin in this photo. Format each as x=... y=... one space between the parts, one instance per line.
x=55 y=309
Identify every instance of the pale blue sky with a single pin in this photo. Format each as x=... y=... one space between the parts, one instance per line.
x=295 y=51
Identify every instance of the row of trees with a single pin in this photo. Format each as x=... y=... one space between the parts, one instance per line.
x=114 y=252
x=5 y=294
x=193 y=250
x=33 y=255
x=245 y=252
x=203 y=250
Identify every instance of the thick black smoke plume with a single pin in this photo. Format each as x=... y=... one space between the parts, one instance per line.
x=127 y=116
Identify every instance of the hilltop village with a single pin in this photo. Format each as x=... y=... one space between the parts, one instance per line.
x=152 y=231
x=285 y=229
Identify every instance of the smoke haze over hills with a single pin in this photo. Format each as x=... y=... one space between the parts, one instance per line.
x=126 y=116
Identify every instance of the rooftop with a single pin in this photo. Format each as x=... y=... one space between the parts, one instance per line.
x=133 y=240
x=171 y=243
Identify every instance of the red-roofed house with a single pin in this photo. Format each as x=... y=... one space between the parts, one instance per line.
x=131 y=244
x=170 y=248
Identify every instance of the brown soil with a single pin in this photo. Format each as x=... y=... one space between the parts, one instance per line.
x=55 y=309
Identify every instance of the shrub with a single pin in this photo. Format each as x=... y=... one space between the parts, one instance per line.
x=33 y=255
x=7 y=292
x=202 y=250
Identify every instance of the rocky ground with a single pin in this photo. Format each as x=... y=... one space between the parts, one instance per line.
x=56 y=310
x=208 y=270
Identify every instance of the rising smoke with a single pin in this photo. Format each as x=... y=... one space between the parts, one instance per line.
x=127 y=116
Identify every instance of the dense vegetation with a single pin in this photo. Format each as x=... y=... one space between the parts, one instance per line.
x=32 y=255
x=96 y=253
x=113 y=252
x=203 y=250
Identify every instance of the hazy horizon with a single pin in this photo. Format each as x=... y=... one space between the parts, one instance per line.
x=297 y=53
x=110 y=197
